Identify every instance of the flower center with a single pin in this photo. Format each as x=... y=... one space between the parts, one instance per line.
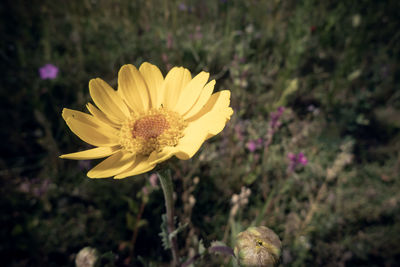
x=149 y=127
x=151 y=131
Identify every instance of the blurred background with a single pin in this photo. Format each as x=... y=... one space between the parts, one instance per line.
x=312 y=150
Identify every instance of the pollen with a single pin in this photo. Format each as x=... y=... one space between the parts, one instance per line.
x=151 y=131
x=150 y=126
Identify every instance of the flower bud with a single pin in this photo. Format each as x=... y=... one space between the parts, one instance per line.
x=258 y=246
x=86 y=257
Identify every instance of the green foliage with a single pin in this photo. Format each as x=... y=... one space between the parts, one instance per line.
x=166 y=241
x=165 y=236
x=332 y=64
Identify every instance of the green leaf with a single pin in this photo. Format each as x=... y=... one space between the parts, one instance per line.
x=130 y=221
x=250 y=178
x=164 y=233
x=293 y=86
x=142 y=223
x=202 y=248
x=133 y=206
x=180 y=228
x=354 y=75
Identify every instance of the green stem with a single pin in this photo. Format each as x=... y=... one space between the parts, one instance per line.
x=168 y=189
x=261 y=215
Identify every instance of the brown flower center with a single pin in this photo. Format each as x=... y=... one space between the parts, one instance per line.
x=150 y=126
x=151 y=131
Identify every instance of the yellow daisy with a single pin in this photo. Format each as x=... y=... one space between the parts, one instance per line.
x=147 y=120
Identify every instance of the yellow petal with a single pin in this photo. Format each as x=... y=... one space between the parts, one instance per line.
x=94 y=153
x=113 y=165
x=213 y=119
x=194 y=136
x=145 y=164
x=176 y=79
x=91 y=134
x=133 y=88
x=191 y=92
x=203 y=98
x=218 y=121
x=101 y=116
x=108 y=100
x=166 y=153
x=154 y=80
x=88 y=119
x=140 y=166
x=217 y=101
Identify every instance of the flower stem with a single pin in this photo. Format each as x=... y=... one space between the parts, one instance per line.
x=168 y=189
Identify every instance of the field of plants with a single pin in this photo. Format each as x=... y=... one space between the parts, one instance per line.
x=312 y=150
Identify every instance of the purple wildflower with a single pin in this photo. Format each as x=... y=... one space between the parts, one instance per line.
x=48 y=71
x=291 y=156
x=259 y=142
x=274 y=125
x=251 y=146
x=302 y=159
x=153 y=180
x=275 y=116
x=182 y=7
x=295 y=160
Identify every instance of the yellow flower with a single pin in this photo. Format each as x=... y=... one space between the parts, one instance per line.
x=147 y=120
